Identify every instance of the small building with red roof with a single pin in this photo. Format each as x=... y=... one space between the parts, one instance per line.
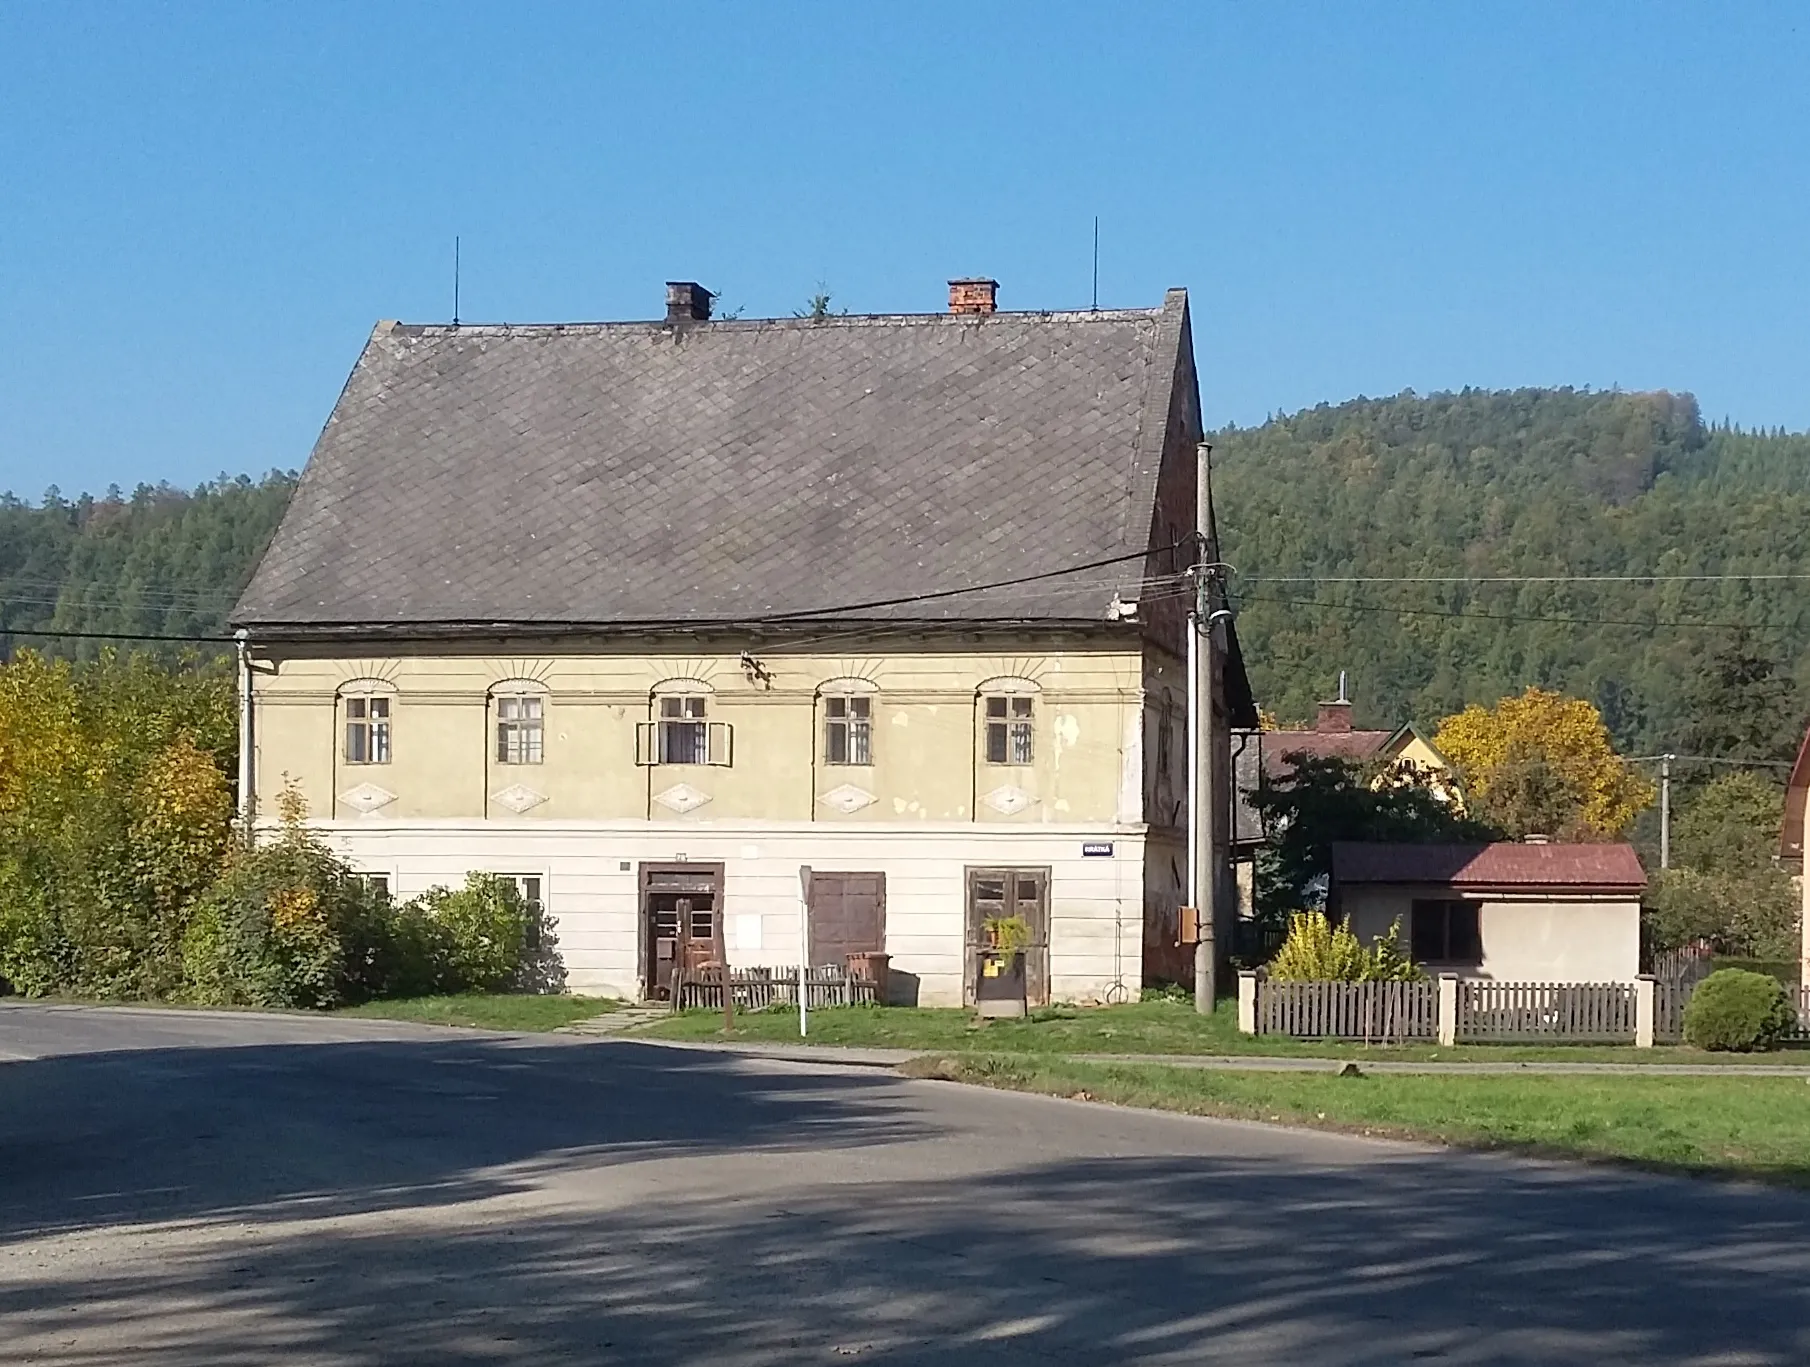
x=1514 y=912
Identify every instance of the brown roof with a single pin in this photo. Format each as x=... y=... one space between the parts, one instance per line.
x=1591 y=868
x=1280 y=746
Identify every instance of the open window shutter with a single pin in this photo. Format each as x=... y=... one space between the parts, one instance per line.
x=722 y=743
x=645 y=739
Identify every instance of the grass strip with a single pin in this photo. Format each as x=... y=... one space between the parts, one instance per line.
x=1154 y=1027
x=1756 y=1128
x=487 y=1011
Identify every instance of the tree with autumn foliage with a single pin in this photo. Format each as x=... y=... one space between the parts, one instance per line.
x=1539 y=763
x=115 y=815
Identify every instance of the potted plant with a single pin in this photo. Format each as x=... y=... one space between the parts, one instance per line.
x=999 y=978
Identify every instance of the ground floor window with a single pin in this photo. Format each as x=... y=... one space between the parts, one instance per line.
x=1445 y=932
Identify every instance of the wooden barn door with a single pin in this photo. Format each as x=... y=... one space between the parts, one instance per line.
x=847 y=916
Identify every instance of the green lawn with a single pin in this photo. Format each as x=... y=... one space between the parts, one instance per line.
x=1155 y=1027
x=488 y=1011
x=1756 y=1127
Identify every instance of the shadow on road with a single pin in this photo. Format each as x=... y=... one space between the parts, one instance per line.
x=310 y=1130
x=1395 y=1257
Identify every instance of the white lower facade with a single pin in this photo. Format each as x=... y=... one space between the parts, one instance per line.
x=591 y=885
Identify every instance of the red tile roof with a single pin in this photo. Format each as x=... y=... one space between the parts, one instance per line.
x=1279 y=746
x=1593 y=868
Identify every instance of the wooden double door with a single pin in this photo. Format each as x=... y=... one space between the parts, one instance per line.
x=847 y=915
x=998 y=894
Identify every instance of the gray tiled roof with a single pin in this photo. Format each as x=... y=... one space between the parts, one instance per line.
x=642 y=473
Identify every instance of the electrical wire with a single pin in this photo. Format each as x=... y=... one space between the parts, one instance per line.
x=1516 y=578
x=1516 y=616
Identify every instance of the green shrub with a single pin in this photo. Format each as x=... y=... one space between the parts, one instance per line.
x=286 y=925
x=1733 y=1009
x=482 y=931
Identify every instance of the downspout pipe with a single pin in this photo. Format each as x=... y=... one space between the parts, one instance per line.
x=247 y=799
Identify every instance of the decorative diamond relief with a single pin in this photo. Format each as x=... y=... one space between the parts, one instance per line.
x=367 y=798
x=681 y=798
x=1008 y=800
x=848 y=798
x=518 y=798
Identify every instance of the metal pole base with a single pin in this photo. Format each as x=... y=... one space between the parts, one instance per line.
x=1203 y=977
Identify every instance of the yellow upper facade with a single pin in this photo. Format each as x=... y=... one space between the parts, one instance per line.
x=1030 y=731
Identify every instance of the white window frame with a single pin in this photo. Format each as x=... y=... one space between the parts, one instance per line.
x=520 y=739
x=712 y=743
x=379 y=735
x=849 y=717
x=1012 y=717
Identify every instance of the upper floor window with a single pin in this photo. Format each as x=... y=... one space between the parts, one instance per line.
x=1165 y=736
x=368 y=729
x=520 y=728
x=682 y=732
x=848 y=729
x=1009 y=729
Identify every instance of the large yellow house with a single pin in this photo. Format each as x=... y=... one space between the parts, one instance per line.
x=689 y=618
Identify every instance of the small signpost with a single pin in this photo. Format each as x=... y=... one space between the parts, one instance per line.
x=804 y=945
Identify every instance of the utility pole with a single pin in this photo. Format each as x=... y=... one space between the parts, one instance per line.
x=1204 y=798
x=1665 y=810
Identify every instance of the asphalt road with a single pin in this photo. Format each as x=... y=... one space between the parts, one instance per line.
x=188 y=1188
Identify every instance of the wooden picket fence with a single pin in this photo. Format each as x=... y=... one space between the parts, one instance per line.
x=756 y=989
x=1581 y=1012
x=1383 y=1012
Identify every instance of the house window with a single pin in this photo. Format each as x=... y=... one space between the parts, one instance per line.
x=529 y=886
x=376 y=884
x=1009 y=730
x=1445 y=932
x=519 y=728
x=684 y=735
x=367 y=730
x=848 y=734
x=1165 y=737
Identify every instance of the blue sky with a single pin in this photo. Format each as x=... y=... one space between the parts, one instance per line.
x=204 y=207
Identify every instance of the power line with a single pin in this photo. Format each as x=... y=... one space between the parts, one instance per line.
x=1516 y=578
x=54 y=634
x=1517 y=616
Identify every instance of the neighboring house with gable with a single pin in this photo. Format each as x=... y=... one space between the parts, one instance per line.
x=1536 y=911
x=655 y=616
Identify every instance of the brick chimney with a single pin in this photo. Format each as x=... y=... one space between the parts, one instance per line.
x=974 y=295
x=687 y=302
x=1333 y=717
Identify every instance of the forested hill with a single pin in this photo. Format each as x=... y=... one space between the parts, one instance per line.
x=162 y=561
x=1522 y=484
x=1519 y=484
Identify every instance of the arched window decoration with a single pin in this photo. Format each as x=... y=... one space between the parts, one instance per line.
x=366 y=709
x=1009 y=718
x=680 y=730
x=848 y=721
x=520 y=709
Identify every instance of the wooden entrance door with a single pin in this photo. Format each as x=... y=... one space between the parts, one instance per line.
x=679 y=907
x=994 y=894
x=847 y=916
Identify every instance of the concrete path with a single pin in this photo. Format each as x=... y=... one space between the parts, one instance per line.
x=181 y=1188
x=862 y=1057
